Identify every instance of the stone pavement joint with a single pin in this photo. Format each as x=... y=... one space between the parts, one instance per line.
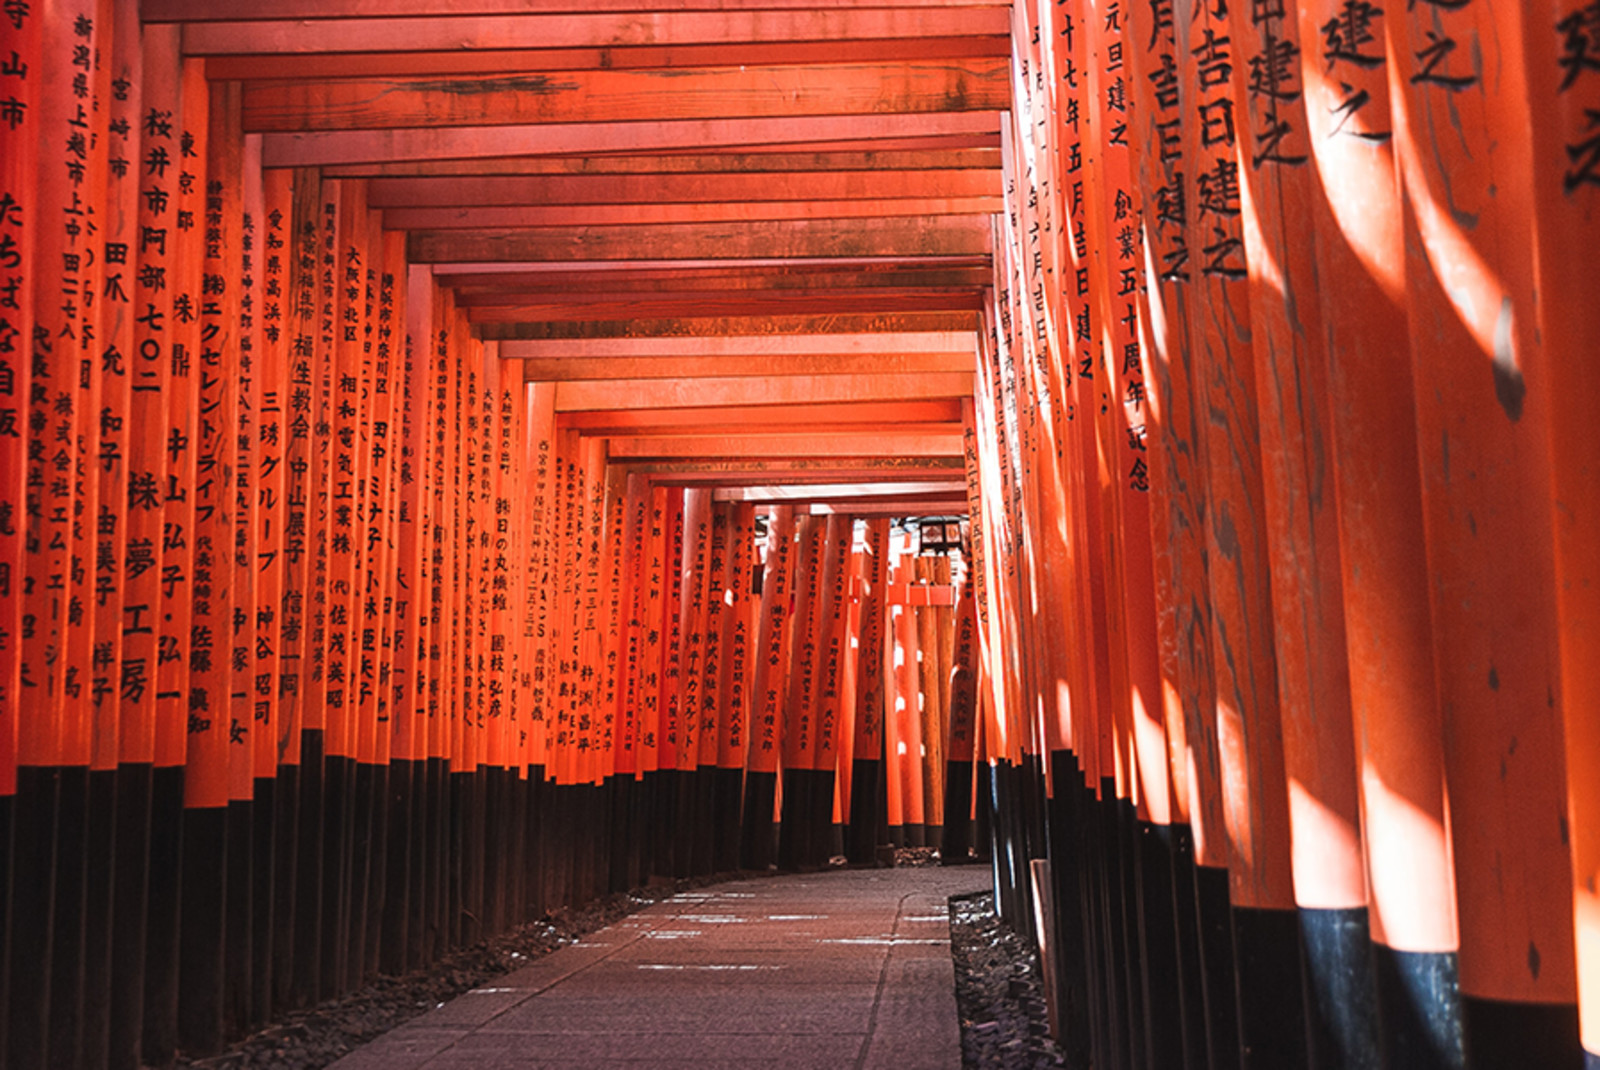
x=818 y=971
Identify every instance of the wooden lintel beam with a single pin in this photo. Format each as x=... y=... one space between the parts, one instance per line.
x=468 y=216
x=733 y=473
x=588 y=96
x=910 y=508
x=492 y=191
x=587 y=30
x=937 y=236
x=966 y=129
x=324 y=65
x=695 y=163
x=492 y=288
x=821 y=417
x=707 y=326
x=903 y=444
x=665 y=430
x=682 y=393
x=255 y=10
x=568 y=369
x=839 y=491
x=757 y=303
x=747 y=346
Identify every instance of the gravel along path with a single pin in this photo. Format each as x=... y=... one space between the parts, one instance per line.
x=314 y=1038
x=1004 y=1023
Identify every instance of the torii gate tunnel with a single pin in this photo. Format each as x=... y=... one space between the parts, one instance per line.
x=460 y=457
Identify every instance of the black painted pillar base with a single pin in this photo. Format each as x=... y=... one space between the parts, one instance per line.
x=956 y=842
x=1272 y=1021
x=1341 y=989
x=363 y=784
x=1191 y=979
x=726 y=799
x=238 y=945
x=983 y=824
x=1214 y=913
x=129 y=916
x=820 y=845
x=287 y=915
x=792 y=834
x=620 y=789
x=7 y=817
x=1065 y=848
x=32 y=916
x=1501 y=1035
x=1161 y=979
x=160 y=1039
x=1419 y=1009
x=99 y=918
x=756 y=831
x=307 y=955
x=703 y=837
x=67 y=944
x=400 y=862
x=338 y=839
x=663 y=859
x=867 y=811
x=201 y=966
x=377 y=882
x=435 y=927
x=683 y=823
x=263 y=837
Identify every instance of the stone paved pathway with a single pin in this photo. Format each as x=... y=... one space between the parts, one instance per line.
x=845 y=969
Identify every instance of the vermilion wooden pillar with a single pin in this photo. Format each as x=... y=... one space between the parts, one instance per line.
x=769 y=686
x=930 y=684
x=1174 y=435
x=867 y=818
x=1396 y=720
x=18 y=160
x=121 y=991
x=738 y=658
x=1564 y=88
x=278 y=746
x=1463 y=146
x=829 y=687
x=1255 y=802
x=798 y=734
x=251 y=767
x=1278 y=191
x=202 y=974
x=960 y=750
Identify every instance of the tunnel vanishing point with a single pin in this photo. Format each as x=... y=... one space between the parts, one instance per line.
x=461 y=457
